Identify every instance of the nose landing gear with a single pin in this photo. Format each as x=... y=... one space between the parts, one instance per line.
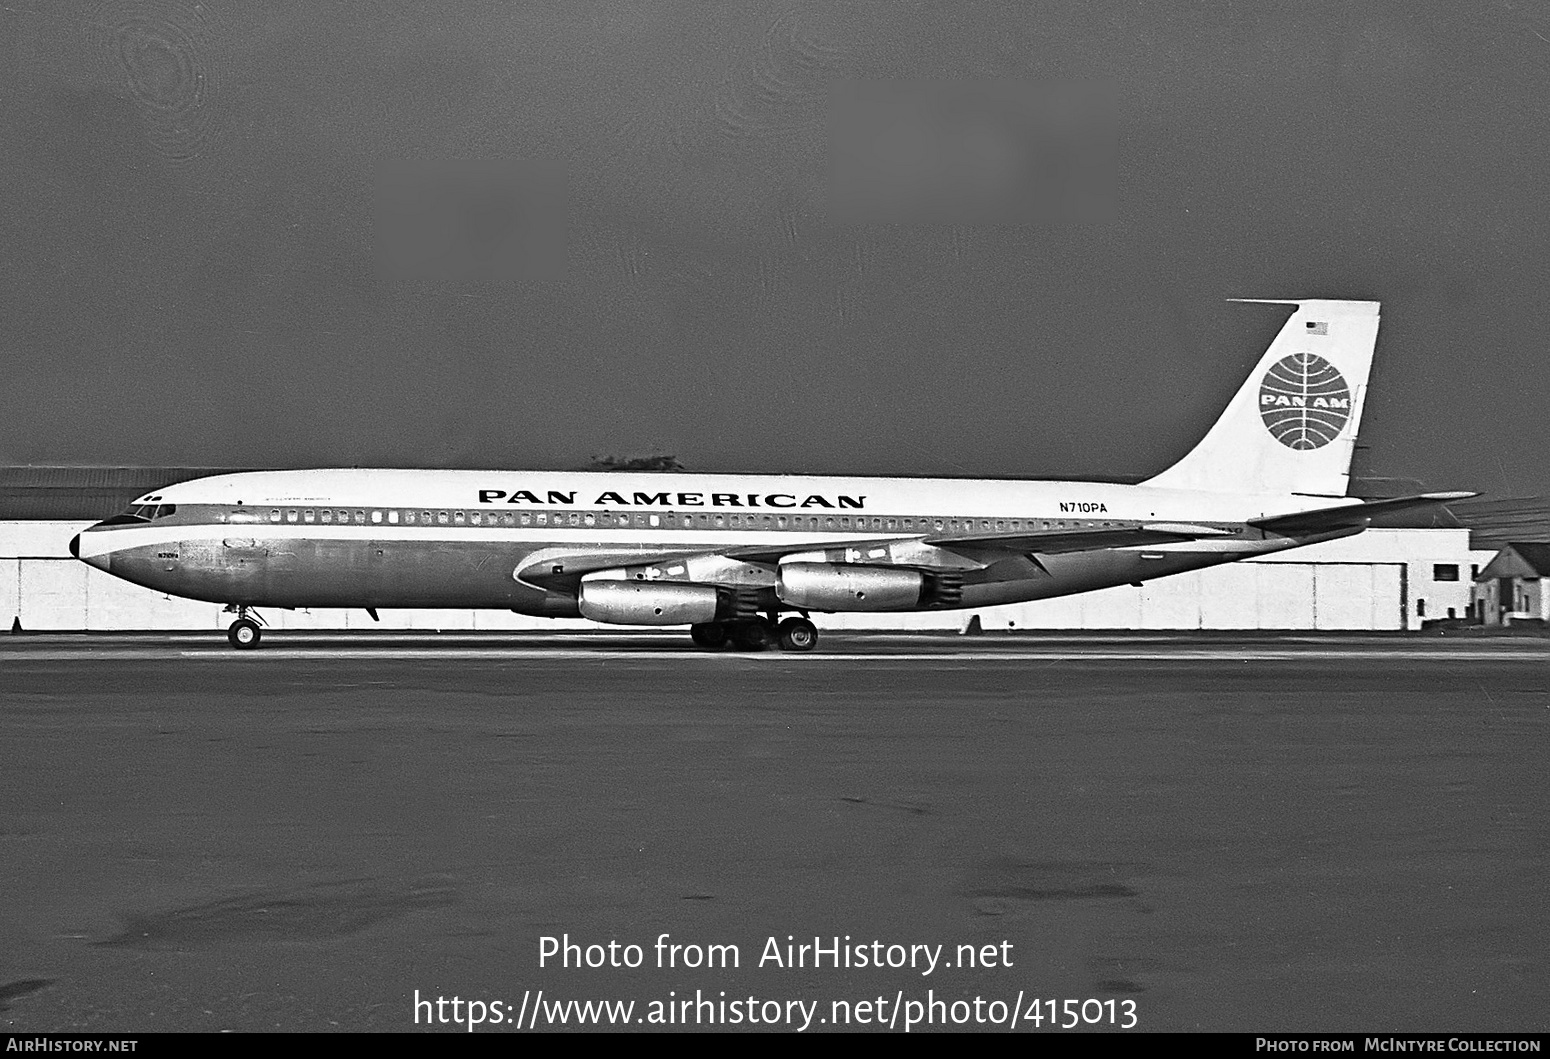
x=245 y=632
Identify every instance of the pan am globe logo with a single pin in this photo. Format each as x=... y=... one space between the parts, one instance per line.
x=1304 y=401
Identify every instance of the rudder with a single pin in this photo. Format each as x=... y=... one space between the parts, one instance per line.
x=1292 y=426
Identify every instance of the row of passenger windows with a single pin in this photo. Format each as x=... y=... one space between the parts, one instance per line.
x=606 y=519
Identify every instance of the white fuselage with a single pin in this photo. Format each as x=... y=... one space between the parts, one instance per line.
x=525 y=540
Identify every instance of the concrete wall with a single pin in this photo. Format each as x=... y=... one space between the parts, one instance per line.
x=1372 y=581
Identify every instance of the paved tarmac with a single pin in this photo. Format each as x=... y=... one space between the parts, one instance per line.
x=1263 y=834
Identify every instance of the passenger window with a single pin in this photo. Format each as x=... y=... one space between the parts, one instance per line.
x=441 y=518
x=457 y=517
x=474 y=518
x=656 y=520
x=737 y=521
x=589 y=519
x=327 y=516
x=425 y=518
x=721 y=521
x=543 y=518
x=376 y=517
x=360 y=518
x=688 y=522
x=575 y=519
x=828 y=523
x=764 y=521
x=308 y=515
x=780 y=522
x=937 y=524
x=525 y=518
x=393 y=517
x=290 y=515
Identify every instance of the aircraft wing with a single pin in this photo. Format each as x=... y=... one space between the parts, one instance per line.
x=562 y=568
x=1055 y=541
x=1349 y=516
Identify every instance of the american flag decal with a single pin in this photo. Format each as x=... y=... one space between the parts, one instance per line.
x=1318 y=328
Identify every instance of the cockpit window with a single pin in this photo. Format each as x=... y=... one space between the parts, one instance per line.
x=149 y=511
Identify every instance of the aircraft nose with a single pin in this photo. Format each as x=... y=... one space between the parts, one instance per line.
x=75 y=546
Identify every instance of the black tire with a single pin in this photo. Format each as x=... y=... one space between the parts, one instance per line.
x=798 y=634
x=244 y=634
x=711 y=634
x=752 y=635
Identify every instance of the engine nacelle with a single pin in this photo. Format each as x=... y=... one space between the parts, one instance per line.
x=649 y=602
x=832 y=586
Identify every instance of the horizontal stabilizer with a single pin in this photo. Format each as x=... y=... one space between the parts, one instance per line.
x=1351 y=515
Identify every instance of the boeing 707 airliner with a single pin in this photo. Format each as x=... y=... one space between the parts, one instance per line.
x=729 y=555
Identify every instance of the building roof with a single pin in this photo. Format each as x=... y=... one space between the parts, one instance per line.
x=1520 y=559
x=1536 y=555
x=70 y=493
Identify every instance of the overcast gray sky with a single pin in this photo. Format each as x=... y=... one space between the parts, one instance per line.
x=191 y=270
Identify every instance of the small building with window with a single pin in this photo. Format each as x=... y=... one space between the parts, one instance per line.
x=1515 y=585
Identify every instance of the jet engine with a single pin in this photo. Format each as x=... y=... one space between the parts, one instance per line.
x=830 y=586
x=653 y=602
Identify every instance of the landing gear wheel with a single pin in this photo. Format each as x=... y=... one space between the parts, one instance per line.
x=798 y=634
x=244 y=634
x=752 y=635
x=710 y=634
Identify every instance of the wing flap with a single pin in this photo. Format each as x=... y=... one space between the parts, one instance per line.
x=1054 y=542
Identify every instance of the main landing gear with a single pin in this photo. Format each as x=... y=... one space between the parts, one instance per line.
x=793 y=634
x=244 y=633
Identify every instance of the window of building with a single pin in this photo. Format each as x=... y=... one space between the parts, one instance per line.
x=1420 y=608
x=1474 y=571
x=1445 y=572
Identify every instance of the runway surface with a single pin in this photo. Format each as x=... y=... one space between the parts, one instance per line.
x=1272 y=833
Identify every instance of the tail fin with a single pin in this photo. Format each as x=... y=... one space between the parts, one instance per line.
x=1291 y=428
